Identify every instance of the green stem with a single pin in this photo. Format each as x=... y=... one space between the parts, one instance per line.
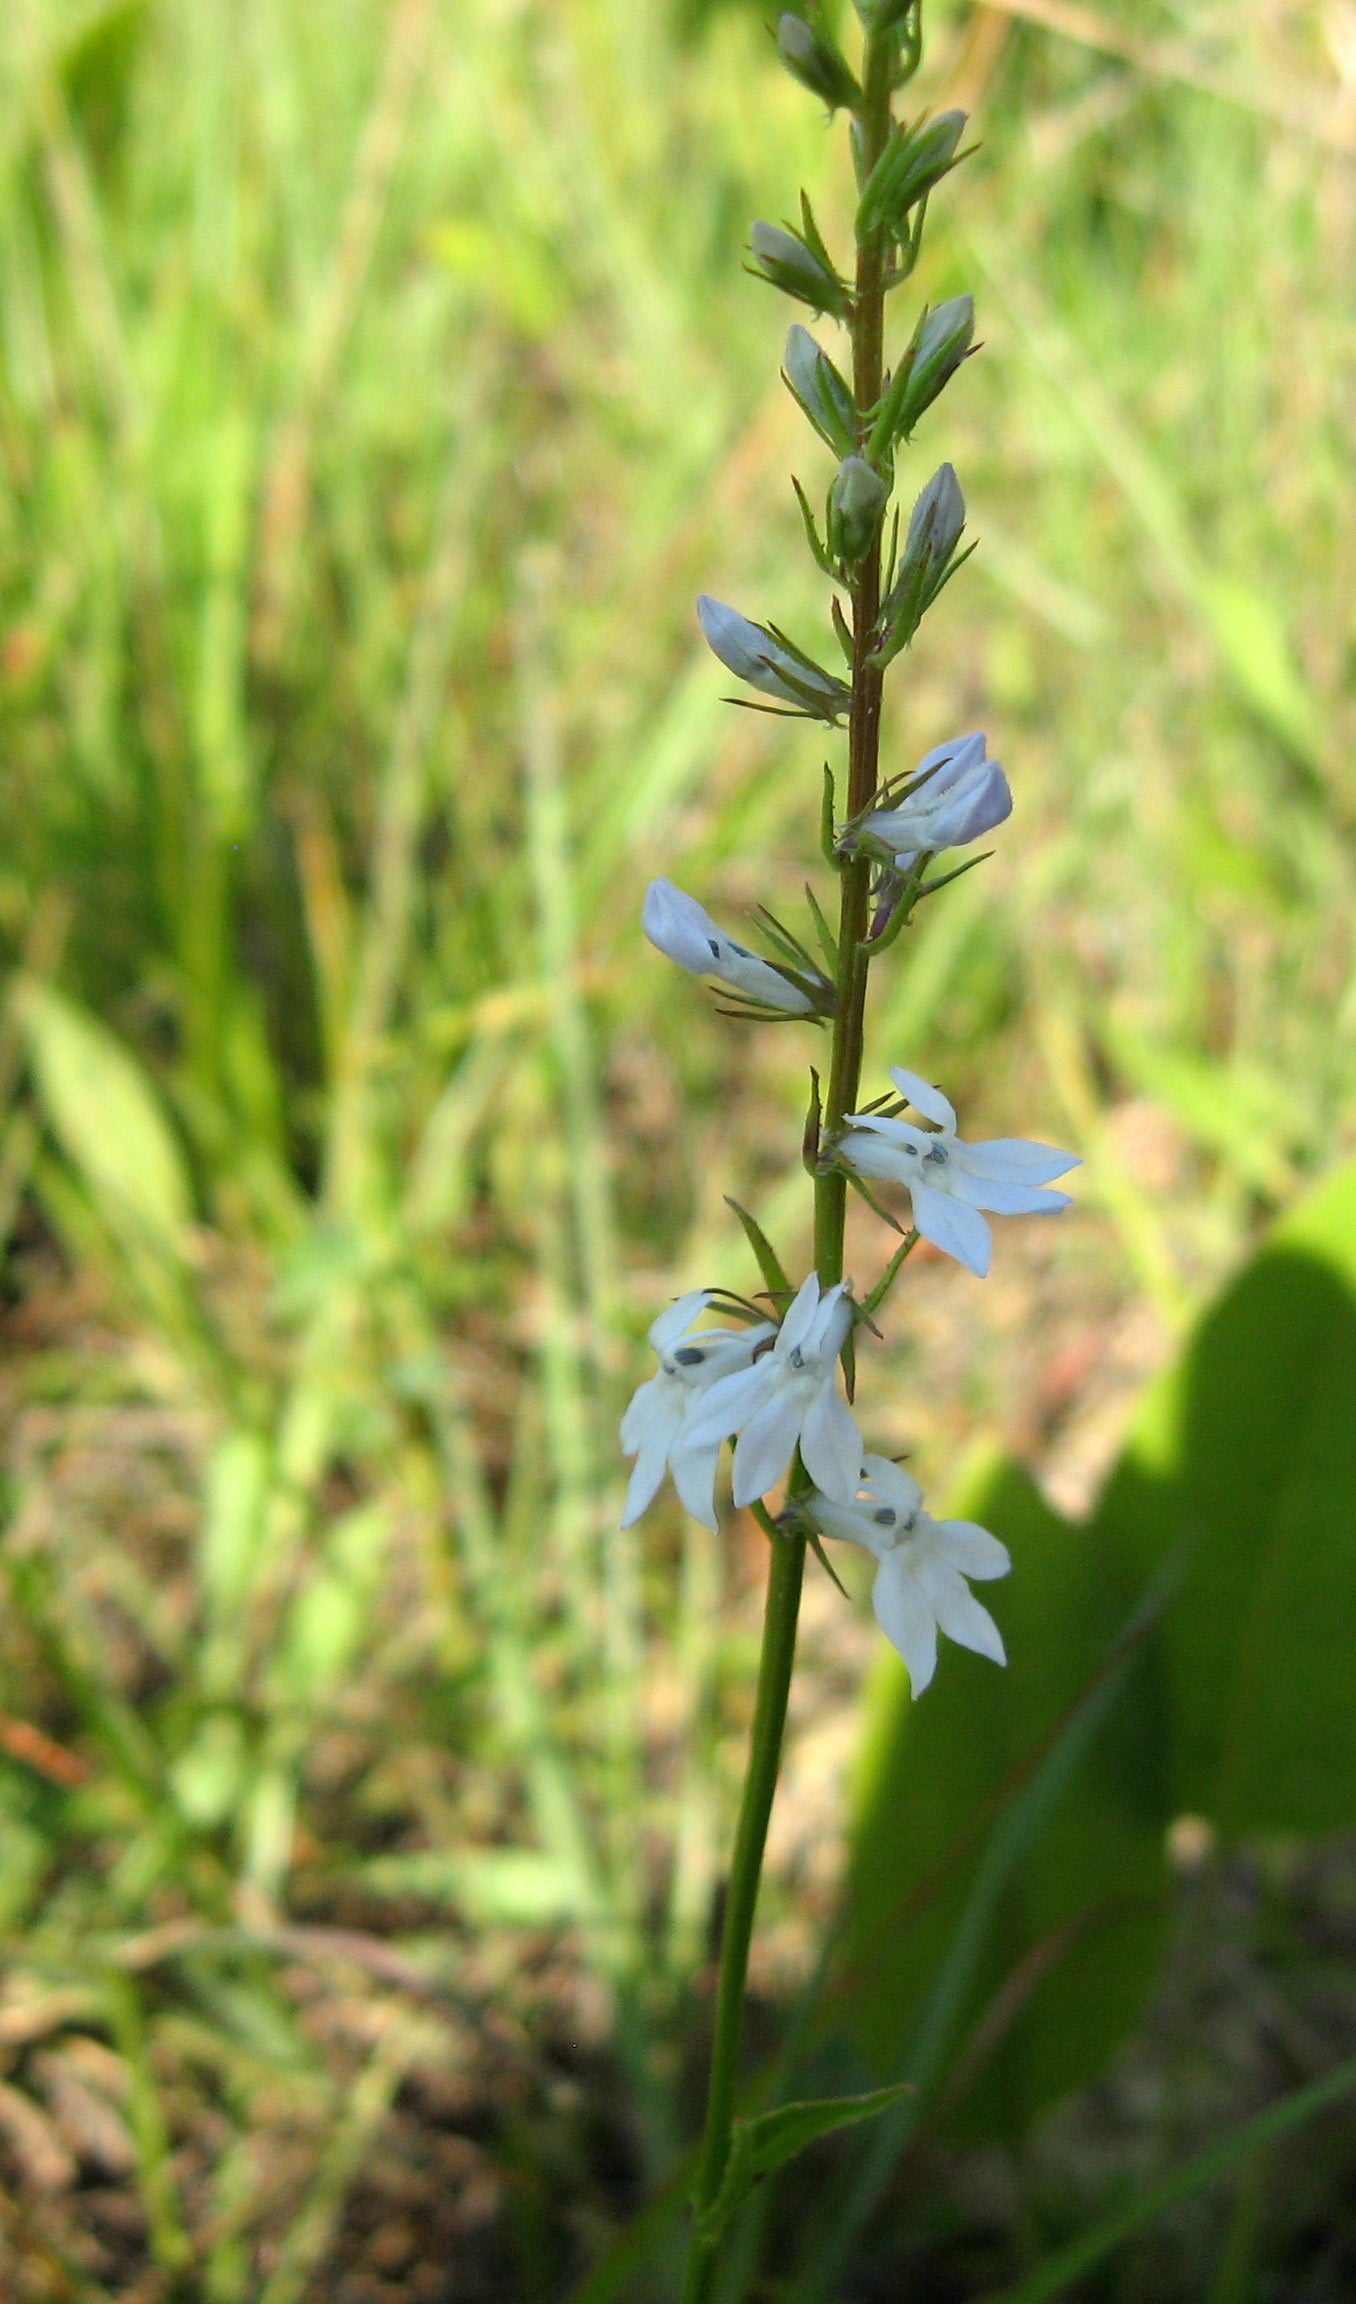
x=788 y=1552
x=760 y=1782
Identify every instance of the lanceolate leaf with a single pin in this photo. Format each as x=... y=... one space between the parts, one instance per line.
x=767 y=2142
x=769 y=1263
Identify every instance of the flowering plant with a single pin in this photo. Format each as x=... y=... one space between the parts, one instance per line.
x=771 y=1383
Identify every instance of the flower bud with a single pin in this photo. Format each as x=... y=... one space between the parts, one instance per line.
x=938 y=518
x=913 y=161
x=856 y=501
x=928 y=560
x=783 y=258
x=771 y=664
x=816 y=385
x=815 y=62
x=940 y=343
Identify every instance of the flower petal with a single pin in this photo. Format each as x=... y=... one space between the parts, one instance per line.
x=906 y=1620
x=962 y=1617
x=973 y=1550
x=653 y=1414
x=799 y=1317
x=694 y=1477
x=1013 y=1156
x=925 y=1098
x=647 y=1476
x=725 y=1405
x=766 y=1446
x=831 y=1446
x=957 y=1230
x=1001 y=1196
x=678 y=1317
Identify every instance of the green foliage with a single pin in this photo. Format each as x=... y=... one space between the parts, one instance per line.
x=1238 y=1485
x=1073 y=1941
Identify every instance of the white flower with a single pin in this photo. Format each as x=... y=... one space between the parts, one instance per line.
x=789 y=1398
x=920 y=1583
x=655 y=1428
x=950 y=1181
x=681 y=928
x=954 y=796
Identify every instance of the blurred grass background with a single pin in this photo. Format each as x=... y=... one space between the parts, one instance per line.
x=378 y=385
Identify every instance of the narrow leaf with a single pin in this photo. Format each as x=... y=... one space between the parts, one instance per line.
x=761 y=2145
x=1059 y=2271
x=769 y=1263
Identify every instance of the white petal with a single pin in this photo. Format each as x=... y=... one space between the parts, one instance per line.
x=694 y=1477
x=872 y=1153
x=831 y=1324
x=766 y=1446
x=906 y=1620
x=848 y=1523
x=1013 y=1156
x=957 y=1230
x=646 y=1478
x=962 y=1618
x=678 y=926
x=925 y=1098
x=947 y=762
x=653 y=1414
x=678 y=1317
x=973 y=1550
x=1002 y=1197
x=800 y=1317
x=831 y=1446
x=724 y=1406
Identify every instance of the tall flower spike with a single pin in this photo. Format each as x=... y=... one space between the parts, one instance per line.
x=683 y=930
x=920 y=1586
x=789 y=1398
x=657 y=1426
x=955 y=795
x=950 y=1181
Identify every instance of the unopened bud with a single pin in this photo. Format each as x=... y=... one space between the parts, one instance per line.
x=783 y=258
x=913 y=161
x=938 y=518
x=815 y=62
x=856 y=500
x=818 y=388
x=941 y=341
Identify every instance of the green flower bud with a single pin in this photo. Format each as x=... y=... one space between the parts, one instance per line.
x=940 y=343
x=913 y=161
x=784 y=259
x=856 y=501
x=815 y=63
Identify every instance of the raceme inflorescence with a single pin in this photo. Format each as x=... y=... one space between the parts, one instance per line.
x=775 y=1375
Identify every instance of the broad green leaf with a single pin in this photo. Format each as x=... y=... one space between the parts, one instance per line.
x=767 y=2142
x=1247 y=1450
x=107 y=1118
x=1080 y=1902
